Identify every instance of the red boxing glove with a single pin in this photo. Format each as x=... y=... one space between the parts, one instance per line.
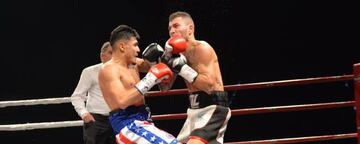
x=157 y=73
x=162 y=72
x=175 y=45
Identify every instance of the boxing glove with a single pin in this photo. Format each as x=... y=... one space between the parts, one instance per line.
x=157 y=73
x=152 y=53
x=174 y=45
x=179 y=66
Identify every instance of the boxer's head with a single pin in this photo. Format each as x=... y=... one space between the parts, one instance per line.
x=124 y=41
x=181 y=23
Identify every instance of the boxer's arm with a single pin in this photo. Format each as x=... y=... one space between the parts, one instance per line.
x=206 y=62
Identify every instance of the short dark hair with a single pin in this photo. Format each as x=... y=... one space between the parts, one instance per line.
x=179 y=14
x=123 y=32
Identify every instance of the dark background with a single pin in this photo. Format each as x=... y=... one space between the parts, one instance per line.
x=46 y=44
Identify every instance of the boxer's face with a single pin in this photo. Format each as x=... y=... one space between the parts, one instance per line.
x=131 y=50
x=179 y=26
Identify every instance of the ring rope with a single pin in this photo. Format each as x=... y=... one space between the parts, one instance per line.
x=43 y=125
x=258 y=85
x=45 y=101
x=299 y=139
x=184 y=91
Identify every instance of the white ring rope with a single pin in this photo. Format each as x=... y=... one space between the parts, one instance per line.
x=42 y=125
x=35 y=102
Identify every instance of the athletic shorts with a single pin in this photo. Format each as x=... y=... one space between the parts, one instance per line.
x=206 y=122
x=133 y=125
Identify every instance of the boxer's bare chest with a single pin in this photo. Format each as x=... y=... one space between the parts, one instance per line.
x=192 y=58
x=129 y=77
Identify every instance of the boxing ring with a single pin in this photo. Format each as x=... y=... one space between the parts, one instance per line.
x=355 y=103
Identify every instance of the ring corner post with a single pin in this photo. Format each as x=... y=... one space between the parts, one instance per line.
x=356 y=72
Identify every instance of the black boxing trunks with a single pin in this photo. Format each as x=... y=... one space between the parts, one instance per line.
x=207 y=118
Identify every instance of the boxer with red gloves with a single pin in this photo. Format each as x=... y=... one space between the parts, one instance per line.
x=123 y=90
x=197 y=62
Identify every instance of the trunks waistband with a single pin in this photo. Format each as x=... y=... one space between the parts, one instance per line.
x=120 y=118
x=201 y=99
x=129 y=109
